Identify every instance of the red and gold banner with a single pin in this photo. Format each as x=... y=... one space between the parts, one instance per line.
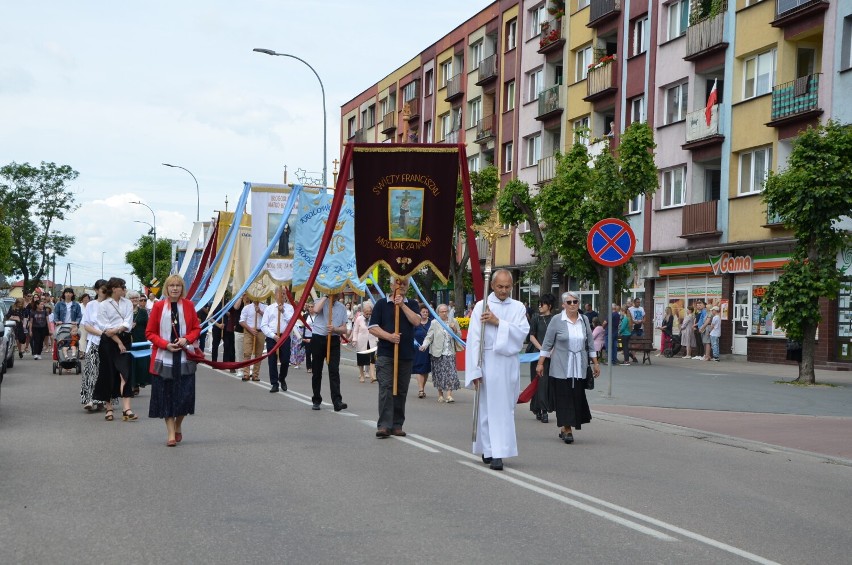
x=405 y=201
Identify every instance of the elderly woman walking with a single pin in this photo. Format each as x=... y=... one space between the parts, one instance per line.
x=173 y=330
x=570 y=347
x=442 y=350
x=364 y=341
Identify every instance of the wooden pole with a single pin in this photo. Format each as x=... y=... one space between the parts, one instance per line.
x=330 y=301
x=395 y=345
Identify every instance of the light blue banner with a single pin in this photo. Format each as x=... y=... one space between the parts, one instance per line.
x=338 y=270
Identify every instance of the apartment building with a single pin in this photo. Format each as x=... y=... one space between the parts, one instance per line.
x=726 y=86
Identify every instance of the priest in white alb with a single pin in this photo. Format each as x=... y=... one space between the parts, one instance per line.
x=498 y=372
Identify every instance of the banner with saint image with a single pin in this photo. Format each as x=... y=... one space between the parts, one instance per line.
x=406 y=201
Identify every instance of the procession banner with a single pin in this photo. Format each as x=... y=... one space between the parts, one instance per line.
x=406 y=197
x=337 y=273
x=267 y=206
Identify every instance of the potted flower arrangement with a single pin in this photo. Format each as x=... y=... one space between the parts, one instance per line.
x=602 y=62
x=548 y=37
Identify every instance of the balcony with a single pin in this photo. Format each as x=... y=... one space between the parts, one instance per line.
x=701 y=134
x=549 y=103
x=411 y=109
x=551 y=38
x=455 y=87
x=485 y=129
x=601 y=81
x=451 y=137
x=705 y=37
x=601 y=11
x=795 y=100
x=546 y=170
x=389 y=123
x=788 y=12
x=487 y=70
x=699 y=220
x=360 y=136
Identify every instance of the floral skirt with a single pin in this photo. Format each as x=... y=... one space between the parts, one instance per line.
x=297 y=353
x=91 y=367
x=173 y=397
x=444 y=374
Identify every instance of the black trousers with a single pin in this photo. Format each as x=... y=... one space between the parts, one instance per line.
x=283 y=354
x=307 y=346
x=39 y=334
x=318 y=358
x=217 y=339
x=228 y=351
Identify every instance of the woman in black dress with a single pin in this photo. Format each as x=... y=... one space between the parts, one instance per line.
x=538 y=327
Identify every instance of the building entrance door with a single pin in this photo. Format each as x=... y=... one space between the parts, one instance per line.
x=741 y=319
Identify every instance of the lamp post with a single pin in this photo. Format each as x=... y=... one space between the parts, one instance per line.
x=324 y=117
x=197 y=192
x=154 y=233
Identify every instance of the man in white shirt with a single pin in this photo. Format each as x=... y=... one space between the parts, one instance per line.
x=250 y=319
x=638 y=315
x=275 y=319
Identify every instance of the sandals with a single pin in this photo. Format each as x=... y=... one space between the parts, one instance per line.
x=171 y=443
x=108 y=417
x=421 y=394
x=178 y=437
x=129 y=416
x=450 y=399
x=256 y=379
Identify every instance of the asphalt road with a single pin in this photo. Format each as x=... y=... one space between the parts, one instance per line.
x=260 y=477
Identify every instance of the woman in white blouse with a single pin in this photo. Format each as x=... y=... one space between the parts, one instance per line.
x=115 y=318
x=91 y=368
x=570 y=346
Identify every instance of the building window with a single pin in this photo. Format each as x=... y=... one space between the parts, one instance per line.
x=637 y=109
x=350 y=127
x=473 y=163
x=533 y=150
x=678 y=18
x=445 y=126
x=384 y=107
x=508 y=149
x=536 y=18
x=759 y=74
x=584 y=59
x=474 y=112
x=535 y=84
x=509 y=103
x=676 y=103
x=511 y=34
x=371 y=115
x=446 y=72
x=635 y=205
x=409 y=91
x=428 y=82
x=674 y=187
x=582 y=4
x=427 y=132
x=582 y=131
x=640 y=36
x=475 y=56
x=846 y=44
x=754 y=167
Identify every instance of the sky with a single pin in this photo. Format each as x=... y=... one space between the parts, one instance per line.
x=115 y=89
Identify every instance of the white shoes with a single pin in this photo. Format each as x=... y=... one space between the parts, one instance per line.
x=697 y=358
x=240 y=374
x=36 y=356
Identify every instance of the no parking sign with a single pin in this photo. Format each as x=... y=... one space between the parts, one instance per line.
x=611 y=242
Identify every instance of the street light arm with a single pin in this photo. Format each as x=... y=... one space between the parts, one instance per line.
x=197 y=191
x=324 y=113
x=154 y=228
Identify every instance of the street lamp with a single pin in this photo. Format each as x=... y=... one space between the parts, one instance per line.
x=324 y=127
x=197 y=192
x=154 y=232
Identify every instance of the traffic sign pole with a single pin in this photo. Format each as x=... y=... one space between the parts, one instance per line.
x=613 y=339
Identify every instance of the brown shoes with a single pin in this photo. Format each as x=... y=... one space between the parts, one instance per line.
x=382 y=433
x=398 y=432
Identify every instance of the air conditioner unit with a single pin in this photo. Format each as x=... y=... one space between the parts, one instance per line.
x=649 y=268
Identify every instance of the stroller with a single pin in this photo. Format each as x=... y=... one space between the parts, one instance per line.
x=65 y=355
x=674 y=346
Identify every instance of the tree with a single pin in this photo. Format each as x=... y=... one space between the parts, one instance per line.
x=35 y=199
x=810 y=196
x=483 y=186
x=516 y=204
x=5 y=244
x=141 y=259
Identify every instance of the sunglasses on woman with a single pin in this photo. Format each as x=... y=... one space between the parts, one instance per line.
x=572 y=302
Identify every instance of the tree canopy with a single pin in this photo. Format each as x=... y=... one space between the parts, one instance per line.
x=34 y=199
x=141 y=258
x=810 y=195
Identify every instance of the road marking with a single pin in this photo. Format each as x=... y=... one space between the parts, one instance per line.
x=372 y=424
x=565 y=500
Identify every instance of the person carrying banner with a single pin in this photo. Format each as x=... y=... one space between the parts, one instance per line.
x=383 y=326
x=498 y=372
x=275 y=319
x=322 y=332
x=250 y=319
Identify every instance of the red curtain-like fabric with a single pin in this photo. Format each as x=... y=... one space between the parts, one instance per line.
x=527 y=394
x=209 y=249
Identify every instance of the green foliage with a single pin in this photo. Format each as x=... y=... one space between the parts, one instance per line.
x=810 y=195
x=636 y=161
x=516 y=205
x=5 y=244
x=34 y=200
x=141 y=258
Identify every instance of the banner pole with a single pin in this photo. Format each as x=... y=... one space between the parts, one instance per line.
x=395 y=345
x=330 y=301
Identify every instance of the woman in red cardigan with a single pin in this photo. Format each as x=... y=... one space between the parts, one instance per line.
x=173 y=330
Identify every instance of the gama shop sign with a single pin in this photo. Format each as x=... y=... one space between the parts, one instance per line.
x=727 y=264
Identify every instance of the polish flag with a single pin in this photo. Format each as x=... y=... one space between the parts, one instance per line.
x=711 y=101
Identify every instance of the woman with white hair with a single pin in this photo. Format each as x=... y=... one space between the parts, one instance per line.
x=364 y=342
x=571 y=348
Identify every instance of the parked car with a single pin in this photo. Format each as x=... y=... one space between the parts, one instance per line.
x=7 y=346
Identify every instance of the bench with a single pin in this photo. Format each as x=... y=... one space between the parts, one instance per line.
x=643 y=344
